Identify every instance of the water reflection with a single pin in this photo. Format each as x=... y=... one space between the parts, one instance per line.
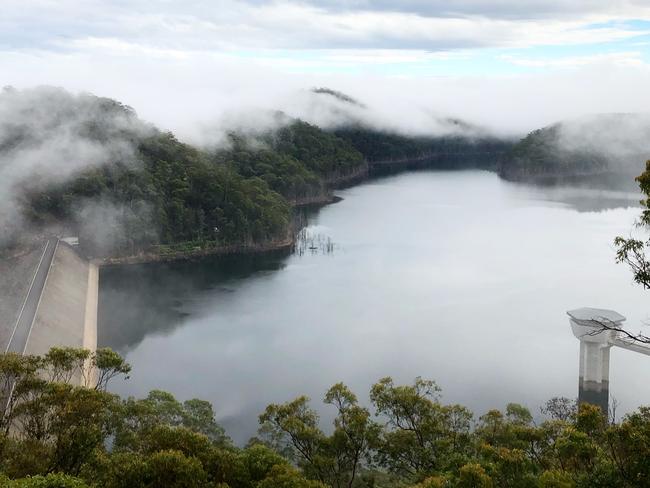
x=136 y=301
x=456 y=276
x=586 y=194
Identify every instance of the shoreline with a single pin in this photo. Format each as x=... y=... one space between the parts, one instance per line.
x=228 y=250
x=287 y=244
x=278 y=245
x=337 y=182
x=364 y=172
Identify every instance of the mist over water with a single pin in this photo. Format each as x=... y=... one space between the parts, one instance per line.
x=455 y=276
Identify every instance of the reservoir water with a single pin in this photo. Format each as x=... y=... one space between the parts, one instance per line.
x=458 y=277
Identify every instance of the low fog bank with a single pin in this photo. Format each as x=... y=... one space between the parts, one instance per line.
x=47 y=136
x=623 y=139
x=182 y=91
x=330 y=109
x=616 y=143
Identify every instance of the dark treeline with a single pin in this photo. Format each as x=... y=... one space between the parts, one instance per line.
x=57 y=434
x=451 y=151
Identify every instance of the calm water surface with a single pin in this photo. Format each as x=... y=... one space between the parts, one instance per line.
x=454 y=276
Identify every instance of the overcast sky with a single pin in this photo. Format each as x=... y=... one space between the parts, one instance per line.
x=512 y=65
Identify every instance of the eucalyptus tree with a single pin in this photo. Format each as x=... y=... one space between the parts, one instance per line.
x=421 y=436
x=335 y=459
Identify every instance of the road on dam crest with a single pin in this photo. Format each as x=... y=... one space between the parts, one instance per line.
x=23 y=327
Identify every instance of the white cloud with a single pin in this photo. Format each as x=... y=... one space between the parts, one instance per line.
x=183 y=93
x=495 y=9
x=232 y=25
x=632 y=58
x=182 y=64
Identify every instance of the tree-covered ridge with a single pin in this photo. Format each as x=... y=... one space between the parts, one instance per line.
x=340 y=96
x=56 y=434
x=379 y=146
x=298 y=160
x=173 y=194
x=613 y=143
x=321 y=152
x=29 y=118
x=541 y=153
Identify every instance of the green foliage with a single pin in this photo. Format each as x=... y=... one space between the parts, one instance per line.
x=321 y=152
x=281 y=172
x=148 y=419
x=422 y=435
x=433 y=445
x=297 y=160
x=173 y=469
x=259 y=460
x=555 y=479
x=455 y=151
x=543 y=153
x=66 y=362
x=473 y=476
x=55 y=425
x=172 y=193
x=60 y=434
x=49 y=481
x=335 y=459
x=283 y=476
x=632 y=251
x=108 y=364
x=433 y=482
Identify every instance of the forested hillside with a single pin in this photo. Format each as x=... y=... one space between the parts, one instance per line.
x=452 y=143
x=608 y=143
x=541 y=154
x=455 y=151
x=174 y=194
x=298 y=160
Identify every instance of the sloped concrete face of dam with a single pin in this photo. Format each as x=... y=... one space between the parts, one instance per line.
x=67 y=313
x=49 y=299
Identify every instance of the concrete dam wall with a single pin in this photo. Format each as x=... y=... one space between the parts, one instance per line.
x=56 y=302
x=67 y=313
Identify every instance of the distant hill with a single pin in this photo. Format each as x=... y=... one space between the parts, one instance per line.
x=445 y=142
x=391 y=150
x=342 y=97
x=606 y=143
